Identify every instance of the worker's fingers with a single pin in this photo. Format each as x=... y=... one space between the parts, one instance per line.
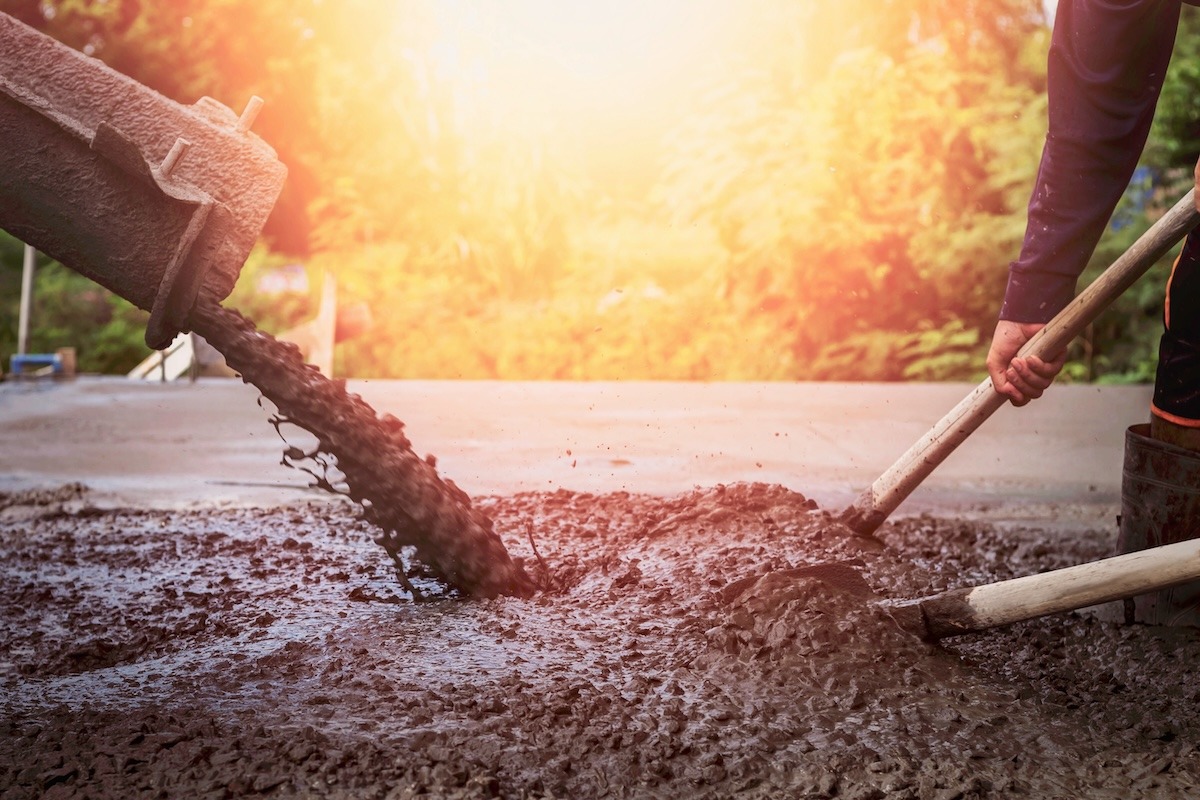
x=1037 y=377
x=1015 y=395
x=1028 y=385
x=1000 y=382
x=1036 y=366
x=1049 y=368
x=1019 y=385
x=1025 y=379
x=997 y=365
x=1004 y=386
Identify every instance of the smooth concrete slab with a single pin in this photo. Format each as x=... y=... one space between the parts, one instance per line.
x=180 y=444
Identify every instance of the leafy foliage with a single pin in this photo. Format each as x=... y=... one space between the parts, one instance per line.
x=882 y=199
x=69 y=311
x=1175 y=139
x=952 y=351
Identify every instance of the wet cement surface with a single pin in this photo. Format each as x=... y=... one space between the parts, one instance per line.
x=269 y=651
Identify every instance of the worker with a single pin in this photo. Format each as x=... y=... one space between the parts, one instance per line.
x=1107 y=62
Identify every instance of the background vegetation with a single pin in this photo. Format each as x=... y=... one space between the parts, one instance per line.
x=756 y=190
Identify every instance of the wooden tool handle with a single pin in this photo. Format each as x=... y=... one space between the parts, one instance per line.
x=975 y=609
x=879 y=500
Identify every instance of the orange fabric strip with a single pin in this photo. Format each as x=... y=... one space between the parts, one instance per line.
x=1181 y=421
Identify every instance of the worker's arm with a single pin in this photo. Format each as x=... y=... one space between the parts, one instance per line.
x=1106 y=68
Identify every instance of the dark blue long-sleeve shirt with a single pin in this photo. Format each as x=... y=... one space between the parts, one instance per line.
x=1107 y=63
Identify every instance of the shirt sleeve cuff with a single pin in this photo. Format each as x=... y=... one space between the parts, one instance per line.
x=1036 y=297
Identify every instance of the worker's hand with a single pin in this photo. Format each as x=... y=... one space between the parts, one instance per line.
x=1019 y=379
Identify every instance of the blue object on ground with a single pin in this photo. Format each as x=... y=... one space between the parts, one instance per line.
x=17 y=363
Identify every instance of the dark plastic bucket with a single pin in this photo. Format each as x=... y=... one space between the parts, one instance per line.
x=1160 y=504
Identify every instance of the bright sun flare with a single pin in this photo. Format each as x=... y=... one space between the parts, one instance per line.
x=577 y=59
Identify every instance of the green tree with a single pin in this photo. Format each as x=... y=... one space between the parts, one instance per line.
x=881 y=196
x=69 y=310
x=1175 y=138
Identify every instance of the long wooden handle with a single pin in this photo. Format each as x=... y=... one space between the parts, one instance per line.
x=975 y=609
x=880 y=499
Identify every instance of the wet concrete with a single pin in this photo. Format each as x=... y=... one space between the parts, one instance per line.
x=367 y=457
x=197 y=624
x=238 y=652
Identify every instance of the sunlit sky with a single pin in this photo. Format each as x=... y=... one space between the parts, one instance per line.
x=617 y=48
x=613 y=71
